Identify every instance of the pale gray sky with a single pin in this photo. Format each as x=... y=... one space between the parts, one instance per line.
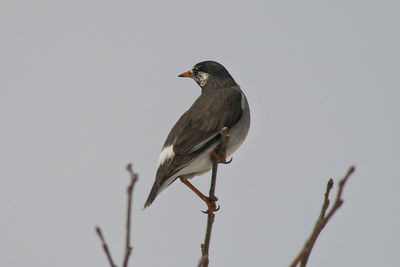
x=88 y=86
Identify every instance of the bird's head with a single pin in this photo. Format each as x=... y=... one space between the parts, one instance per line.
x=208 y=70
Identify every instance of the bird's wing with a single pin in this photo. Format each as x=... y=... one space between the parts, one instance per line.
x=199 y=128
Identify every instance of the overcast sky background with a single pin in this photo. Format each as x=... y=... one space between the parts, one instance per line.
x=88 y=86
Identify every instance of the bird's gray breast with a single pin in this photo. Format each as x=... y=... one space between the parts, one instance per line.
x=240 y=130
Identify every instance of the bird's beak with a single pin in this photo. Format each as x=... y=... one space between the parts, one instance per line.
x=188 y=74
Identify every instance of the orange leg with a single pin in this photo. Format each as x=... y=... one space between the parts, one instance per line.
x=210 y=202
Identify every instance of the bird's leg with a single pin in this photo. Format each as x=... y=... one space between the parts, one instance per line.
x=220 y=156
x=209 y=201
x=219 y=153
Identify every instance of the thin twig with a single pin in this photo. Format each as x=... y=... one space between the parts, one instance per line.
x=105 y=247
x=128 y=247
x=203 y=260
x=221 y=150
x=210 y=220
x=322 y=220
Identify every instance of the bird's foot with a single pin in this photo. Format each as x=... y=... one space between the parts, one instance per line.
x=219 y=153
x=211 y=204
x=212 y=199
x=220 y=157
x=212 y=207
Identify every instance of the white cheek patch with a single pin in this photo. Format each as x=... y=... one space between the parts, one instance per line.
x=202 y=78
x=167 y=153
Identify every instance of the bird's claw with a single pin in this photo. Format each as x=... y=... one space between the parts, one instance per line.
x=211 y=209
x=220 y=158
x=227 y=162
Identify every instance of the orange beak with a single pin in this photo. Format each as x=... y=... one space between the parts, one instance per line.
x=188 y=74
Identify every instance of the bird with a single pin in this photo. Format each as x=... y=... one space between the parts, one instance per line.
x=192 y=140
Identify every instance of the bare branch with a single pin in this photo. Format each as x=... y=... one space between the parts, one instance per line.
x=105 y=246
x=322 y=220
x=203 y=260
x=220 y=157
x=128 y=247
x=210 y=220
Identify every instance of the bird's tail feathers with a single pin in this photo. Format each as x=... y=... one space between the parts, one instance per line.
x=153 y=194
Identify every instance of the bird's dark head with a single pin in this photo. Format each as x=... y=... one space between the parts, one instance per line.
x=206 y=71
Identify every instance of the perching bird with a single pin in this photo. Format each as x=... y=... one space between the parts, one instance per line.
x=196 y=134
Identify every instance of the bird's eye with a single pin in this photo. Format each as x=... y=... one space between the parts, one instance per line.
x=195 y=72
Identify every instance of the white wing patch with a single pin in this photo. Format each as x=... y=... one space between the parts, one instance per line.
x=167 y=153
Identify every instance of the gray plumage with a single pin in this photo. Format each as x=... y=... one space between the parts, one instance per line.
x=186 y=150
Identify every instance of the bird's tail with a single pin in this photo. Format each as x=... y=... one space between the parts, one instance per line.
x=152 y=195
